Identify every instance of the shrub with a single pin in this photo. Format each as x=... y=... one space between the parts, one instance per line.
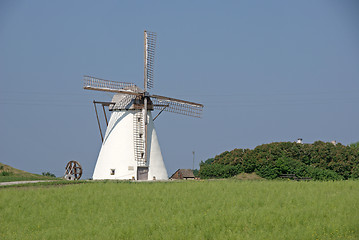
x=216 y=170
x=323 y=174
x=6 y=173
x=48 y=174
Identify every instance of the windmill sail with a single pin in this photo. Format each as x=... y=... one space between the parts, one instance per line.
x=149 y=58
x=121 y=102
x=177 y=106
x=150 y=46
x=98 y=84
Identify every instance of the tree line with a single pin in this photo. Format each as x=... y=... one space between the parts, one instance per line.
x=319 y=161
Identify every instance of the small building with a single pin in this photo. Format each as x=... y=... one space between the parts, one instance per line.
x=183 y=174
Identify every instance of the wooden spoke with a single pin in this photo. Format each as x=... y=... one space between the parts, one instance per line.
x=73 y=170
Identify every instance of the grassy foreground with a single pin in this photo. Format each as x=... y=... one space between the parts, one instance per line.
x=221 y=209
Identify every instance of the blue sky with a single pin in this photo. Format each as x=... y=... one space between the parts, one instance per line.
x=266 y=71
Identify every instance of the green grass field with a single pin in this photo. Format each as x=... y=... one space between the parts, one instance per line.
x=217 y=209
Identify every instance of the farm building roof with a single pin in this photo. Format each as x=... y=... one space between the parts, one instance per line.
x=183 y=173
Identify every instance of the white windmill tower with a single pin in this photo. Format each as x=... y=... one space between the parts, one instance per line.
x=130 y=148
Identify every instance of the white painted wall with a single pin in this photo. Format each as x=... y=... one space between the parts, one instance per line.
x=117 y=151
x=157 y=167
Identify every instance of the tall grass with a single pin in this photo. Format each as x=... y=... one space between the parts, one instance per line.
x=222 y=209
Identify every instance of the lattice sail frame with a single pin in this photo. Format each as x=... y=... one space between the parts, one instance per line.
x=124 y=103
x=175 y=106
x=93 y=83
x=150 y=47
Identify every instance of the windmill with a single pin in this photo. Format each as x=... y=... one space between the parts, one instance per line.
x=130 y=149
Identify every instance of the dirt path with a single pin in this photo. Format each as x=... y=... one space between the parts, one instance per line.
x=22 y=182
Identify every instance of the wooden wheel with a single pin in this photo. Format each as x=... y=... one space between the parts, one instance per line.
x=73 y=170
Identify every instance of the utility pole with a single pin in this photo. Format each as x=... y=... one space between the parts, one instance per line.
x=193 y=160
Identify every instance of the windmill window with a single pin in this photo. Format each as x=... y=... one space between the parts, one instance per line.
x=142 y=154
x=139 y=119
x=140 y=135
x=113 y=171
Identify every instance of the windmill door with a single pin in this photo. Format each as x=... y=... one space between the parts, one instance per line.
x=142 y=173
